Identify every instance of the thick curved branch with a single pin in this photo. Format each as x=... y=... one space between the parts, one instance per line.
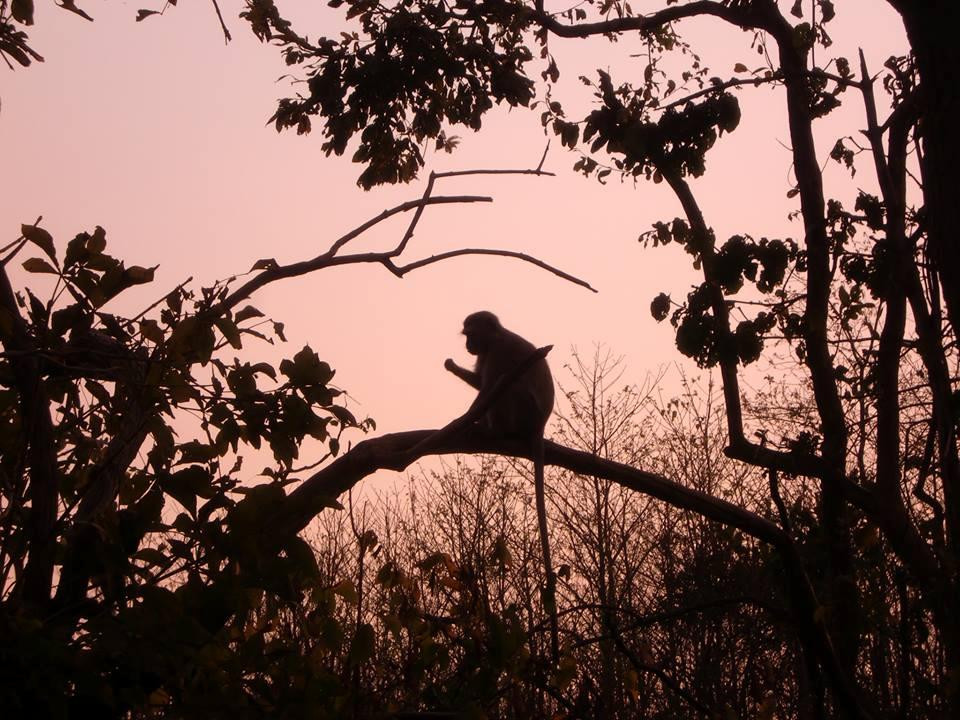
x=752 y=16
x=398 y=450
x=395 y=451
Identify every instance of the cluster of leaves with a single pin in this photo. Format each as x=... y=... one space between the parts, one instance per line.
x=413 y=67
x=764 y=264
x=167 y=536
x=677 y=141
x=14 y=43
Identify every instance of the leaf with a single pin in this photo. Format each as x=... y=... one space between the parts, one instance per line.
x=265 y=368
x=827 y=11
x=246 y=313
x=230 y=331
x=137 y=275
x=307 y=368
x=265 y=264
x=331 y=634
x=301 y=555
x=345 y=417
x=98 y=391
x=361 y=649
x=39 y=265
x=501 y=553
x=41 y=238
x=660 y=307
x=565 y=672
x=347 y=590
x=740 y=68
x=97 y=242
x=68 y=318
x=142 y=14
x=151 y=331
x=185 y=485
x=71 y=6
x=22 y=11
x=152 y=556
x=195 y=451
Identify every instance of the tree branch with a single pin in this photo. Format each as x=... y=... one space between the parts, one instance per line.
x=400 y=270
x=754 y=15
x=395 y=451
x=330 y=257
x=327 y=259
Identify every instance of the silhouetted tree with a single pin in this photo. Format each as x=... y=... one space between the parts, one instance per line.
x=413 y=70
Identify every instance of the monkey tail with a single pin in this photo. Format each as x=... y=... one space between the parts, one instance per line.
x=550 y=591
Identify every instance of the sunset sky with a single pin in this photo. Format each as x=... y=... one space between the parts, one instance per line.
x=156 y=131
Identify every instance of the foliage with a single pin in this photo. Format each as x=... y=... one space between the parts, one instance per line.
x=164 y=532
x=140 y=565
x=864 y=263
x=856 y=528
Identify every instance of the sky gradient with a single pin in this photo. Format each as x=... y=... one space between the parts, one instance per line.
x=156 y=131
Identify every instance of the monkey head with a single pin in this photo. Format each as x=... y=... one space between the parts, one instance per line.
x=481 y=329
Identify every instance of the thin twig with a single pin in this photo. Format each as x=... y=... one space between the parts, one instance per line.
x=160 y=300
x=402 y=245
x=11 y=244
x=226 y=32
x=401 y=208
x=13 y=253
x=543 y=158
x=459 y=173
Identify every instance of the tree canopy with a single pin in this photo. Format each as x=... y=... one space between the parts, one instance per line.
x=859 y=513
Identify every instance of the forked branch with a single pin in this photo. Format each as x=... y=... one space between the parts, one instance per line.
x=271 y=271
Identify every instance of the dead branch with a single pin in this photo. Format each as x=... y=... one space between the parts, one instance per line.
x=401 y=270
x=274 y=271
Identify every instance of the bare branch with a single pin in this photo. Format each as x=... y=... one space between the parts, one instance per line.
x=396 y=210
x=461 y=173
x=400 y=270
x=223 y=25
x=280 y=272
x=416 y=218
x=543 y=158
x=719 y=87
x=331 y=259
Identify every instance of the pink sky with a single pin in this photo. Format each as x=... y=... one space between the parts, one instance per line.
x=156 y=131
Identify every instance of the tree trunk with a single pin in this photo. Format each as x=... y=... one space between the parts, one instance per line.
x=931 y=28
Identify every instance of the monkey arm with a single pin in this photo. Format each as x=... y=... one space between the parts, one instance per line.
x=468 y=376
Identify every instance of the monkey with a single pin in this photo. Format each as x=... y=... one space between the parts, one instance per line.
x=520 y=412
